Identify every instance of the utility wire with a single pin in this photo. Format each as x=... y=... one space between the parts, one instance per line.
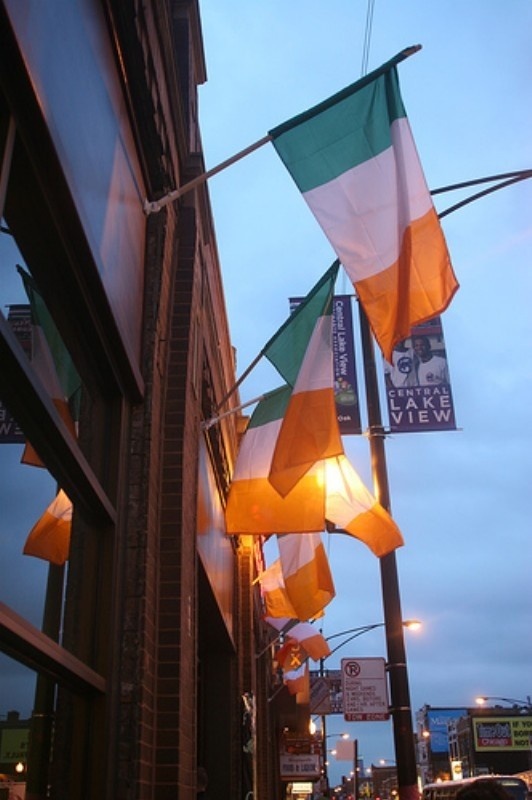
x=367 y=36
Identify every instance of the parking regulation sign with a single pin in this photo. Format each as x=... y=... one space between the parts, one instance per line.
x=365 y=689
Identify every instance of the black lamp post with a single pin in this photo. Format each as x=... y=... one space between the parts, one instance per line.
x=401 y=711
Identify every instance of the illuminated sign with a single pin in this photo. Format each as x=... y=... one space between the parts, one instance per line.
x=502 y=733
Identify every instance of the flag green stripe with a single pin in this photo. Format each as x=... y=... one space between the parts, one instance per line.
x=271 y=408
x=342 y=133
x=66 y=371
x=287 y=348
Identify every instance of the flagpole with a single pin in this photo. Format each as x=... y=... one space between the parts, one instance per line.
x=152 y=206
x=208 y=423
x=401 y=712
x=235 y=386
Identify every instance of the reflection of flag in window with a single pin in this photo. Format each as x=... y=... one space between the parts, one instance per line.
x=49 y=538
x=51 y=362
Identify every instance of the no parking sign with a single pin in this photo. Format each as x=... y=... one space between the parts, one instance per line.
x=365 y=689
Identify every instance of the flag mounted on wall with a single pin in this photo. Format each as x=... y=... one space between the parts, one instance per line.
x=302 y=353
x=331 y=490
x=354 y=159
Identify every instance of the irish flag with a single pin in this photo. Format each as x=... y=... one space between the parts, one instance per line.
x=354 y=159
x=302 y=353
x=299 y=584
x=312 y=642
x=331 y=490
x=274 y=596
x=354 y=510
x=253 y=505
x=306 y=573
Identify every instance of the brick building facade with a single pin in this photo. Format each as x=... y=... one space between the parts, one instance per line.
x=145 y=666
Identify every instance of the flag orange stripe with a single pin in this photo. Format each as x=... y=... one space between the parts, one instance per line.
x=30 y=457
x=310 y=588
x=377 y=529
x=419 y=285
x=310 y=429
x=256 y=508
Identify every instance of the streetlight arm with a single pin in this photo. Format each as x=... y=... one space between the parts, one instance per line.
x=350 y=638
x=526 y=703
x=409 y=623
x=356 y=631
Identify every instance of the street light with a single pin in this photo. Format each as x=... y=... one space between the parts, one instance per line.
x=353 y=633
x=524 y=703
x=411 y=624
x=324 y=750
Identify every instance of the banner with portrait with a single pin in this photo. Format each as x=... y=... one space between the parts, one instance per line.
x=418 y=387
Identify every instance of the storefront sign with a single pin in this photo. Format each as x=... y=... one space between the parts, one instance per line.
x=502 y=733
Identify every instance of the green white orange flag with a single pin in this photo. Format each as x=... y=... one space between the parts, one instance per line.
x=49 y=538
x=354 y=159
x=354 y=510
x=294 y=664
x=306 y=573
x=299 y=584
x=330 y=491
x=253 y=505
x=302 y=353
x=305 y=634
x=274 y=595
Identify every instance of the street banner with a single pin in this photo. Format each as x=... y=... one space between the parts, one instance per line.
x=19 y=319
x=418 y=388
x=345 y=379
x=365 y=689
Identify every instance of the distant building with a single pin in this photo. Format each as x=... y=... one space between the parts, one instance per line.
x=14 y=735
x=463 y=742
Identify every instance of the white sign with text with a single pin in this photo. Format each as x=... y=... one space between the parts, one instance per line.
x=365 y=689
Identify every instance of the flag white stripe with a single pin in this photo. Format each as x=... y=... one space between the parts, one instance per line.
x=365 y=232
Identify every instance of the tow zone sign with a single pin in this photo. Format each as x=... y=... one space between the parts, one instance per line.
x=365 y=689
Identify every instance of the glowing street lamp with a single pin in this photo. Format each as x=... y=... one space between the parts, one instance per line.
x=524 y=703
x=410 y=624
x=353 y=633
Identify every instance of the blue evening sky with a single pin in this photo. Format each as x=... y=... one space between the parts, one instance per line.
x=461 y=498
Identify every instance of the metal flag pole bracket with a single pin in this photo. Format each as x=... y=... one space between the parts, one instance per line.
x=153 y=206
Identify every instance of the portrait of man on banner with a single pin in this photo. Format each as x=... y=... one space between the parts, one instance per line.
x=418 y=388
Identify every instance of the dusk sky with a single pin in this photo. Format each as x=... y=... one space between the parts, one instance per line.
x=461 y=498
